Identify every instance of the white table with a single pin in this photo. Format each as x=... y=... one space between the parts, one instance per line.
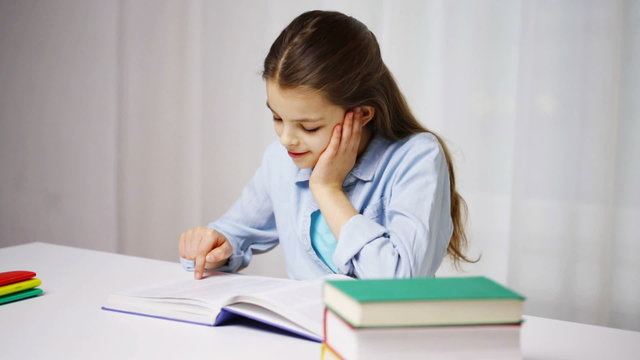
x=67 y=322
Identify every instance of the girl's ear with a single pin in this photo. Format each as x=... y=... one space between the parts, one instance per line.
x=367 y=113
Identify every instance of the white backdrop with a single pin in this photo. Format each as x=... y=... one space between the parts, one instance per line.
x=123 y=123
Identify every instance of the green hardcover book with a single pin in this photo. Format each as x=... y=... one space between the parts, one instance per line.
x=423 y=302
x=20 y=295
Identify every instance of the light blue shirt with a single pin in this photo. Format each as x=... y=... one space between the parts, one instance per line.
x=400 y=189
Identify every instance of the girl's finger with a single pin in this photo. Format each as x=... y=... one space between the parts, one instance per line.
x=200 y=256
x=347 y=128
x=218 y=256
x=336 y=138
x=214 y=253
x=205 y=243
x=199 y=269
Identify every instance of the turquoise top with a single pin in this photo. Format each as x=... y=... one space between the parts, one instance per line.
x=322 y=240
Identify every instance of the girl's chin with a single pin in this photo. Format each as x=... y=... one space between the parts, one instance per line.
x=304 y=163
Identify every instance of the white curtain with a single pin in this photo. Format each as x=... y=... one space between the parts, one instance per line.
x=537 y=100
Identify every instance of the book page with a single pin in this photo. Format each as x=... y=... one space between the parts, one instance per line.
x=298 y=301
x=213 y=291
x=266 y=316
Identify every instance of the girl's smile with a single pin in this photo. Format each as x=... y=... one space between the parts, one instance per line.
x=297 y=155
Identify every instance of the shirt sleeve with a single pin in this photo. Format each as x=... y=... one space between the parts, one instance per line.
x=249 y=224
x=416 y=217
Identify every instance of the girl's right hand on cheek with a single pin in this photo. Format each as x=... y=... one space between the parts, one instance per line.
x=209 y=248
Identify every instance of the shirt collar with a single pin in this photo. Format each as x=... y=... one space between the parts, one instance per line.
x=365 y=167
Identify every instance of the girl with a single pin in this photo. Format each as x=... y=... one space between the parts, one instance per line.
x=356 y=185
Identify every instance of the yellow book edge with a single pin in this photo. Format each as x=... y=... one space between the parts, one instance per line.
x=19 y=286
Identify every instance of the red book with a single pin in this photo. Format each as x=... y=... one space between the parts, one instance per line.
x=11 y=277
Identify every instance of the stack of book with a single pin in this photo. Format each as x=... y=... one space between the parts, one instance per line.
x=452 y=318
x=18 y=285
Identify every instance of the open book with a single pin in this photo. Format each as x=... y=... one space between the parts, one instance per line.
x=291 y=305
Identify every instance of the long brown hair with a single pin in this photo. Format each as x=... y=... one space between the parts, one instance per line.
x=337 y=55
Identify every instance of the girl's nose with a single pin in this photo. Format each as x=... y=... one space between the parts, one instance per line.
x=288 y=138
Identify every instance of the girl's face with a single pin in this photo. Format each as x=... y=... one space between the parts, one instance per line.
x=304 y=120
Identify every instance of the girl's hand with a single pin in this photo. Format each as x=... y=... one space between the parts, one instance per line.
x=207 y=247
x=337 y=160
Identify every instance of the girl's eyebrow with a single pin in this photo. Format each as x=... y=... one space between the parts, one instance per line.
x=298 y=120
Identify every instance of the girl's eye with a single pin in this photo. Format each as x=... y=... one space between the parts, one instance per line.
x=311 y=130
x=277 y=119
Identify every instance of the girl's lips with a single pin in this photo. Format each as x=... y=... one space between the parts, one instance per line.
x=297 y=155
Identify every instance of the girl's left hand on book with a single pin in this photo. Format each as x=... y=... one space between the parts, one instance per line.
x=209 y=248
